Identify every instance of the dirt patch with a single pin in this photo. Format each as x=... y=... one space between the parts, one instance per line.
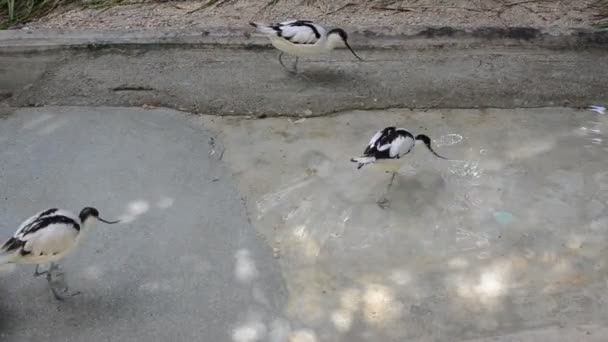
x=462 y=13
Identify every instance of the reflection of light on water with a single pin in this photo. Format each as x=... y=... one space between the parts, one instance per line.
x=449 y=139
x=165 y=202
x=531 y=149
x=249 y=332
x=465 y=168
x=591 y=130
x=575 y=242
x=458 y=263
x=273 y=199
x=244 y=270
x=163 y=285
x=491 y=283
x=134 y=209
x=93 y=272
x=480 y=240
x=279 y=330
x=341 y=226
x=38 y=121
x=52 y=127
x=473 y=199
x=300 y=232
x=380 y=305
x=304 y=335
x=309 y=247
x=342 y=320
x=7 y=268
x=350 y=299
x=400 y=277
x=548 y=257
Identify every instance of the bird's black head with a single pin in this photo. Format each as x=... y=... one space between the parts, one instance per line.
x=341 y=34
x=427 y=141
x=424 y=138
x=89 y=212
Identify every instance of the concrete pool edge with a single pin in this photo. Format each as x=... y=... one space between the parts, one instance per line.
x=407 y=67
x=361 y=37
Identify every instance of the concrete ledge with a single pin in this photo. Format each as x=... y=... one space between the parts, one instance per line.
x=232 y=71
x=363 y=38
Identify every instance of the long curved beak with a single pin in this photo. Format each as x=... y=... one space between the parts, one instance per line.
x=108 y=222
x=351 y=50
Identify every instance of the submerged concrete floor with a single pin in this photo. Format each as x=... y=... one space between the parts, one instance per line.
x=506 y=242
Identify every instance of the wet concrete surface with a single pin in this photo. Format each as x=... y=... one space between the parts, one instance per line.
x=184 y=265
x=505 y=242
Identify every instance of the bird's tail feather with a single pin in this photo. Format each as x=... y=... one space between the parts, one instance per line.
x=263 y=28
x=363 y=161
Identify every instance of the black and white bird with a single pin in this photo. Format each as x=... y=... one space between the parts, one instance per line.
x=46 y=238
x=386 y=147
x=303 y=38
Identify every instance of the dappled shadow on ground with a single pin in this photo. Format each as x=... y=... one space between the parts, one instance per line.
x=506 y=237
x=183 y=262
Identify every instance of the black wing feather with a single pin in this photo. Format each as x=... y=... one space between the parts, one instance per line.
x=12 y=244
x=388 y=135
x=298 y=23
x=47 y=221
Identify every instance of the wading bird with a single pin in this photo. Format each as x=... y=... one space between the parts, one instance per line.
x=386 y=147
x=303 y=38
x=46 y=238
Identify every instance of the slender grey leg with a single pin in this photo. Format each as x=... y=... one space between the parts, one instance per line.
x=384 y=202
x=295 y=66
x=63 y=294
x=391 y=182
x=57 y=283
x=37 y=273
x=281 y=61
x=284 y=67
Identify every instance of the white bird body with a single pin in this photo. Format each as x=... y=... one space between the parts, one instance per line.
x=301 y=50
x=46 y=237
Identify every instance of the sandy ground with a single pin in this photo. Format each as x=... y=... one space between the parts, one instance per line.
x=464 y=13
